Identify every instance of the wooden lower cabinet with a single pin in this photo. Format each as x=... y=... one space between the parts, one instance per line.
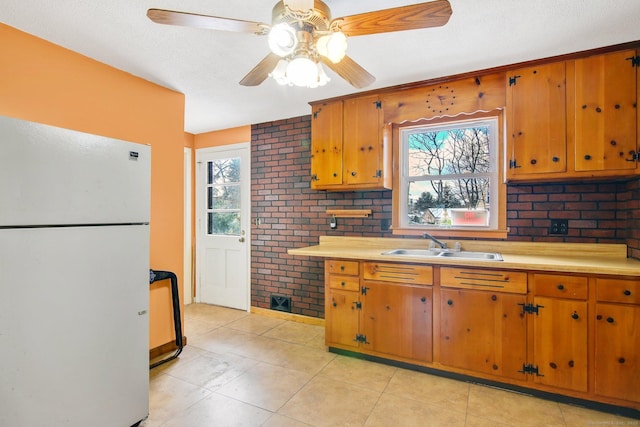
x=569 y=334
x=397 y=320
x=341 y=325
x=617 y=364
x=483 y=331
x=560 y=343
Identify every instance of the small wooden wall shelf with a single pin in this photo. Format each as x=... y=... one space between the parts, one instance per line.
x=349 y=213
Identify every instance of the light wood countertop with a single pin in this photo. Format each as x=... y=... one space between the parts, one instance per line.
x=531 y=256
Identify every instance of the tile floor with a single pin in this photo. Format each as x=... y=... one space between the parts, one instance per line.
x=243 y=369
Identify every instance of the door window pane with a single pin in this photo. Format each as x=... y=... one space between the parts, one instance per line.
x=223 y=196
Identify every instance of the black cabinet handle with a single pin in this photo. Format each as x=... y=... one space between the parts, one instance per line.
x=575 y=316
x=353 y=173
x=627 y=292
x=423 y=299
x=621 y=360
x=610 y=320
x=494 y=298
x=342 y=283
x=560 y=287
x=555 y=159
x=450 y=302
x=534 y=161
x=587 y=157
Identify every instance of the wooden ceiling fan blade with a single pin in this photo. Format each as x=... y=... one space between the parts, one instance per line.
x=261 y=71
x=184 y=19
x=349 y=70
x=412 y=17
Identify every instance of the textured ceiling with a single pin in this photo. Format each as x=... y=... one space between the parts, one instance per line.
x=207 y=65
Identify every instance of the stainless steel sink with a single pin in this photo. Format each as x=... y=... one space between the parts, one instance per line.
x=445 y=253
x=492 y=256
x=414 y=252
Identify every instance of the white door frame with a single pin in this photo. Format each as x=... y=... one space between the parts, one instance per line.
x=188 y=251
x=246 y=212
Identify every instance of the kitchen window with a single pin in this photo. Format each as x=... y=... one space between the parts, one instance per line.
x=449 y=179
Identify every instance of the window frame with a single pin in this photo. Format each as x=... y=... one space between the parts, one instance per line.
x=499 y=229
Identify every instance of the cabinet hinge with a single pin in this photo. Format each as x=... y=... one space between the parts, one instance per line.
x=530 y=369
x=635 y=61
x=513 y=164
x=378 y=174
x=513 y=80
x=378 y=104
x=363 y=290
x=530 y=308
x=358 y=305
x=314 y=177
x=361 y=338
x=315 y=114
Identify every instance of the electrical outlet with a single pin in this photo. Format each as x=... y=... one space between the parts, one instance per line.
x=559 y=226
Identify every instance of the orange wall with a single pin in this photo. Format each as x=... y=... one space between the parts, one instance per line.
x=45 y=83
x=223 y=137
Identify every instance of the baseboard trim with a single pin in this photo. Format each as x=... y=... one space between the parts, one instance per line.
x=165 y=348
x=288 y=316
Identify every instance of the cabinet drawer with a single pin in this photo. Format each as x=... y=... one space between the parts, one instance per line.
x=338 y=266
x=618 y=290
x=403 y=273
x=560 y=286
x=348 y=283
x=494 y=280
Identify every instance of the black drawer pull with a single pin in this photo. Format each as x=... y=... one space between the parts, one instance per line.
x=610 y=320
x=575 y=316
x=560 y=287
x=423 y=299
x=627 y=292
x=450 y=302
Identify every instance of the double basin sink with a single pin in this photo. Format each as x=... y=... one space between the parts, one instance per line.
x=445 y=253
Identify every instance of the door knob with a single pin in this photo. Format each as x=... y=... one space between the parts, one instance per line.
x=241 y=240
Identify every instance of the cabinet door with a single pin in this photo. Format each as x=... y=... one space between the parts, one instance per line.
x=362 y=141
x=341 y=323
x=537 y=119
x=560 y=343
x=605 y=108
x=397 y=319
x=326 y=145
x=617 y=367
x=483 y=331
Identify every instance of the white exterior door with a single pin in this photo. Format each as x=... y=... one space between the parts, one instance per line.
x=222 y=219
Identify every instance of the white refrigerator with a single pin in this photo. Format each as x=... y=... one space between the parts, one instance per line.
x=74 y=278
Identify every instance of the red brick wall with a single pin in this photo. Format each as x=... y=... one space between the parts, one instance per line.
x=291 y=215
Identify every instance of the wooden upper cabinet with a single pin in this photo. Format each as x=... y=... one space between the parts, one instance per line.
x=606 y=112
x=348 y=149
x=326 y=144
x=536 y=124
x=362 y=136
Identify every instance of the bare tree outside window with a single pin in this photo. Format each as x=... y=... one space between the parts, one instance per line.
x=448 y=167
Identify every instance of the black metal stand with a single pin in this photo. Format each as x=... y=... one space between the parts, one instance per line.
x=154 y=276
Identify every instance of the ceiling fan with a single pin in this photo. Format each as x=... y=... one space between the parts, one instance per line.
x=303 y=36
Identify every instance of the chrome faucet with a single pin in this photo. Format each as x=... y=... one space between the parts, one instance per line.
x=438 y=242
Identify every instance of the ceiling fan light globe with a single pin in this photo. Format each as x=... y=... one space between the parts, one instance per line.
x=323 y=78
x=282 y=39
x=333 y=46
x=279 y=74
x=302 y=72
